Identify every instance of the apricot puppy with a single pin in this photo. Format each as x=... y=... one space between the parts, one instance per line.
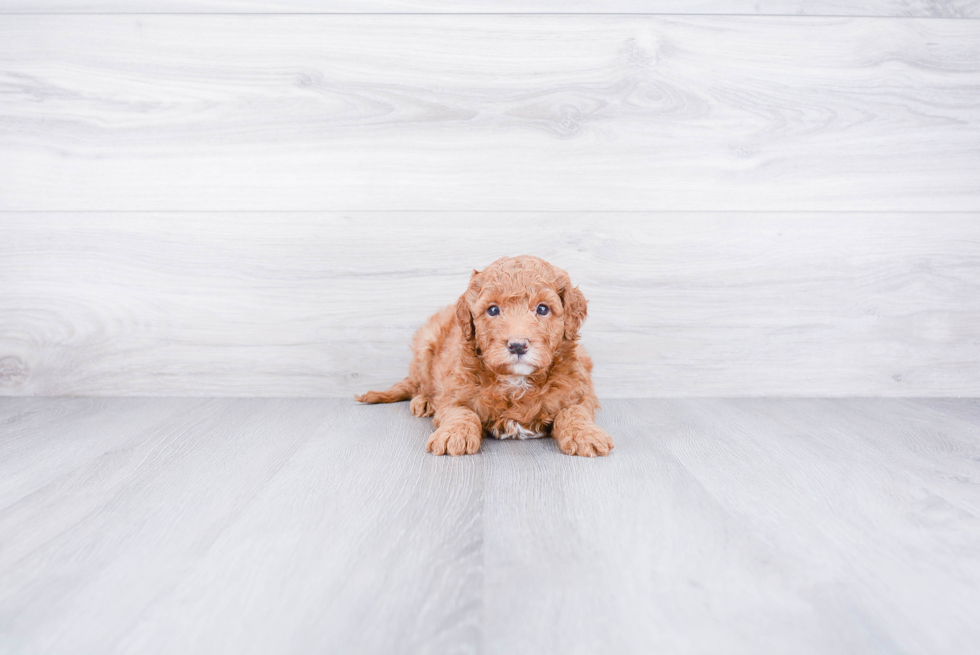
x=504 y=360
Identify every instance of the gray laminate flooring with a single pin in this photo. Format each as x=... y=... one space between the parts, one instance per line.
x=302 y=525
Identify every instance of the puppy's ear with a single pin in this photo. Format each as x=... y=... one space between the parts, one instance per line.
x=464 y=316
x=575 y=304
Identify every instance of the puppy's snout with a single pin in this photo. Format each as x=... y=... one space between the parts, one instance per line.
x=517 y=346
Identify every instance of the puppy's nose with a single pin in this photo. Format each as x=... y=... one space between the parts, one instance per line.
x=517 y=346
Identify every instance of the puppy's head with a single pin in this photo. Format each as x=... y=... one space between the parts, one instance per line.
x=518 y=311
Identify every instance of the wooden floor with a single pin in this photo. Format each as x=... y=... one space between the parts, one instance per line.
x=304 y=525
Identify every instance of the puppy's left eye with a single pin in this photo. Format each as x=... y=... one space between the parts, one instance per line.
x=543 y=310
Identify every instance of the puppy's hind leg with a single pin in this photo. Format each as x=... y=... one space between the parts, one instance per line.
x=404 y=390
x=422 y=406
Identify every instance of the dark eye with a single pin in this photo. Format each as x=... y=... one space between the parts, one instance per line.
x=543 y=310
x=493 y=310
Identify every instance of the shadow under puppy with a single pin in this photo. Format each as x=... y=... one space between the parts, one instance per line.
x=505 y=360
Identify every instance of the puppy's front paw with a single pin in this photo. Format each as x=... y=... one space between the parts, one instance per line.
x=587 y=441
x=454 y=440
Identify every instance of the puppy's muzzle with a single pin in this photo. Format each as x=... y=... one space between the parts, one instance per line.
x=517 y=346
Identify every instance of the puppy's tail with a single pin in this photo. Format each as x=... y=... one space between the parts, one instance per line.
x=404 y=390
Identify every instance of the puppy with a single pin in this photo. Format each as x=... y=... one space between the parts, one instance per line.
x=504 y=360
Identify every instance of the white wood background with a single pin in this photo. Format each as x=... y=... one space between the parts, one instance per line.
x=923 y=8
x=489 y=113
x=270 y=204
x=318 y=303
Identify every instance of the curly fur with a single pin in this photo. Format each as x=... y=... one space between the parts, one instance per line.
x=463 y=374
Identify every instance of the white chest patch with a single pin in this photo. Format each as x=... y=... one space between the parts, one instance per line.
x=514 y=430
x=517 y=385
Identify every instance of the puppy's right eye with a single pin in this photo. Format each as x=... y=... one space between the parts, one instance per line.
x=493 y=310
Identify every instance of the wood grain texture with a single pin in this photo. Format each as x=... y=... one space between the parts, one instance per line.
x=325 y=304
x=919 y=8
x=320 y=527
x=296 y=526
x=443 y=112
x=741 y=526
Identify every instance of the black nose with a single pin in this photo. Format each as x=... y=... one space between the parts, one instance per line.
x=518 y=347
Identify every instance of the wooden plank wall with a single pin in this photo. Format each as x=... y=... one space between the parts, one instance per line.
x=214 y=199
x=886 y=8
